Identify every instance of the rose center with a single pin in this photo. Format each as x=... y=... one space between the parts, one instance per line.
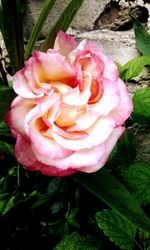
x=67 y=117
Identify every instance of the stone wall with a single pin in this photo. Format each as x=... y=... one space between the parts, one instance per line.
x=105 y=21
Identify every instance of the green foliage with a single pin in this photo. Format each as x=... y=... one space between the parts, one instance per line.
x=62 y=24
x=40 y=199
x=124 y=152
x=5 y=135
x=76 y=242
x=12 y=31
x=112 y=192
x=70 y=217
x=6 y=150
x=7 y=205
x=144 y=239
x=38 y=26
x=119 y=230
x=141 y=102
x=6 y=96
x=133 y=68
x=142 y=37
x=137 y=179
x=33 y=200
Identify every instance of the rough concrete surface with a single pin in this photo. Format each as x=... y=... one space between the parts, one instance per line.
x=96 y=14
x=87 y=15
x=116 y=16
x=120 y=45
x=33 y=10
x=142 y=143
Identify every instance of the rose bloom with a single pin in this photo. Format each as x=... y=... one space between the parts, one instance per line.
x=70 y=108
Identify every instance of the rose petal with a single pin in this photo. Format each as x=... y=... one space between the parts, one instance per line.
x=46 y=81
x=108 y=145
x=96 y=91
x=98 y=133
x=21 y=85
x=64 y=43
x=72 y=135
x=42 y=68
x=25 y=156
x=125 y=107
x=44 y=147
x=52 y=67
x=24 y=153
x=109 y=100
x=77 y=97
x=84 y=122
x=47 y=108
x=16 y=116
x=90 y=63
x=80 y=159
x=110 y=69
x=52 y=171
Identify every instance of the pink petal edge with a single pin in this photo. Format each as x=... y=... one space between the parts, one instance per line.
x=64 y=43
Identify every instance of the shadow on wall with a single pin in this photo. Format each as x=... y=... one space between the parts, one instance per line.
x=116 y=17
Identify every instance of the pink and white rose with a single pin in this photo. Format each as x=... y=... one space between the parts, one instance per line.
x=70 y=108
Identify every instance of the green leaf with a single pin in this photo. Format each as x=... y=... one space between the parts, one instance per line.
x=4 y=130
x=33 y=200
x=137 y=179
x=6 y=96
x=38 y=26
x=2 y=205
x=143 y=234
x=133 y=68
x=6 y=153
x=40 y=199
x=54 y=184
x=62 y=23
x=144 y=239
x=70 y=217
x=124 y=152
x=12 y=31
x=104 y=185
x=5 y=134
x=141 y=102
x=142 y=37
x=9 y=205
x=119 y=230
x=6 y=149
x=76 y=242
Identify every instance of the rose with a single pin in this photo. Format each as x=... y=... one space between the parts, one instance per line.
x=70 y=108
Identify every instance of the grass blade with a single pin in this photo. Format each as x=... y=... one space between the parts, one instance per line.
x=62 y=23
x=38 y=26
x=12 y=31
